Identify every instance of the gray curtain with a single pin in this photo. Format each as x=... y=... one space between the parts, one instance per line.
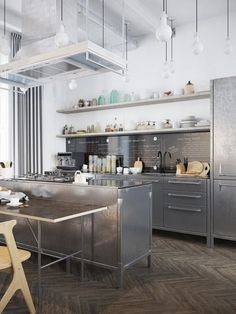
x=27 y=125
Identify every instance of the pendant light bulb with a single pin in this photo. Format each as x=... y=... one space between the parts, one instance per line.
x=73 y=84
x=164 y=31
x=5 y=47
x=197 y=45
x=228 y=46
x=61 y=37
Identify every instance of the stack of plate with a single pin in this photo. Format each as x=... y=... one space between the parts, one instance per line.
x=188 y=122
x=203 y=123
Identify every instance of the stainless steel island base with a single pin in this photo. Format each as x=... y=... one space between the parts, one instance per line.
x=116 y=238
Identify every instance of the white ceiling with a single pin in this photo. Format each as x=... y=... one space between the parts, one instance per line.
x=143 y=15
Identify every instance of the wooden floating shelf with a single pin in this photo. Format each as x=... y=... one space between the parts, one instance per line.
x=133 y=132
x=156 y=101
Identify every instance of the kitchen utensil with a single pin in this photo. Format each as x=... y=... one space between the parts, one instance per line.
x=206 y=169
x=195 y=167
x=126 y=171
x=138 y=164
x=186 y=163
x=119 y=170
x=81 y=178
x=180 y=168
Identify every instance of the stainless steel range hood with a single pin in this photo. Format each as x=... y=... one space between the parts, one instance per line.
x=76 y=60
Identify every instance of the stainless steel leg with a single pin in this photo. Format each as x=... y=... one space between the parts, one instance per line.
x=120 y=277
x=82 y=248
x=149 y=261
x=39 y=268
x=68 y=266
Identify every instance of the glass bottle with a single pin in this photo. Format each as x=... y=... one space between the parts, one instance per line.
x=108 y=163
x=113 y=164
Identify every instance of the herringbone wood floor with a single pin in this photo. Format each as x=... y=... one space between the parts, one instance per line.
x=186 y=278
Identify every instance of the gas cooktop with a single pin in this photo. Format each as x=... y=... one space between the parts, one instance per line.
x=49 y=176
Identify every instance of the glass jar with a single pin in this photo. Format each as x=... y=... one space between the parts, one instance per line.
x=168 y=124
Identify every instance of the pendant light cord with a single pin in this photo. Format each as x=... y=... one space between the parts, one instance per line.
x=172 y=42
x=166 y=52
x=62 y=10
x=126 y=44
x=196 y=16
x=227 y=19
x=4 y=17
x=103 y=23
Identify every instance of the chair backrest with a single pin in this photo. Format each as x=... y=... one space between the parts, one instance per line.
x=6 y=229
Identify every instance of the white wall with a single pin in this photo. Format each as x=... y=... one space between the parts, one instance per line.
x=145 y=73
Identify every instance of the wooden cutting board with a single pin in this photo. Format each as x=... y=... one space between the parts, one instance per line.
x=138 y=164
x=206 y=169
x=195 y=167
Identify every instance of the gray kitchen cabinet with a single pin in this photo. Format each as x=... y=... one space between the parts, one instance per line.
x=224 y=217
x=186 y=204
x=178 y=204
x=157 y=197
x=157 y=204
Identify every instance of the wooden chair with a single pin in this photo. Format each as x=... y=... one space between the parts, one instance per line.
x=10 y=256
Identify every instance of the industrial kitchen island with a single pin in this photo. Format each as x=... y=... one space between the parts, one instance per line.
x=115 y=238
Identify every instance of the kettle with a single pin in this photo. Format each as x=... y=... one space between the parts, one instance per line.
x=80 y=178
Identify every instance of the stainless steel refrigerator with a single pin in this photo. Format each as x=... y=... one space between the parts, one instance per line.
x=223 y=158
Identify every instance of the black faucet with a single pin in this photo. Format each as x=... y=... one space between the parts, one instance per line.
x=159 y=155
x=164 y=160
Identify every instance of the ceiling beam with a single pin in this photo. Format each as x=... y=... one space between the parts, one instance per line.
x=13 y=21
x=145 y=17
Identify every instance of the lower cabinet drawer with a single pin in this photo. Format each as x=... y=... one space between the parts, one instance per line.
x=185 y=218
x=186 y=198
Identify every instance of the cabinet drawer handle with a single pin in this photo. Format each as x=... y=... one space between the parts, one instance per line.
x=185 y=209
x=184 y=195
x=185 y=182
x=226 y=185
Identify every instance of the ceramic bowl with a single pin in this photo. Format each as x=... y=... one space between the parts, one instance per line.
x=135 y=170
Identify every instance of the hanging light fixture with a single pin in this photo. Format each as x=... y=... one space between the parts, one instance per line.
x=172 y=64
x=197 y=44
x=166 y=69
x=61 y=37
x=73 y=84
x=5 y=46
x=164 y=31
x=228 y=44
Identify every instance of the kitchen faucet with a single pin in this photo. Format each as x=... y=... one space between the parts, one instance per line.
x=164 y=160
x=159 y=155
